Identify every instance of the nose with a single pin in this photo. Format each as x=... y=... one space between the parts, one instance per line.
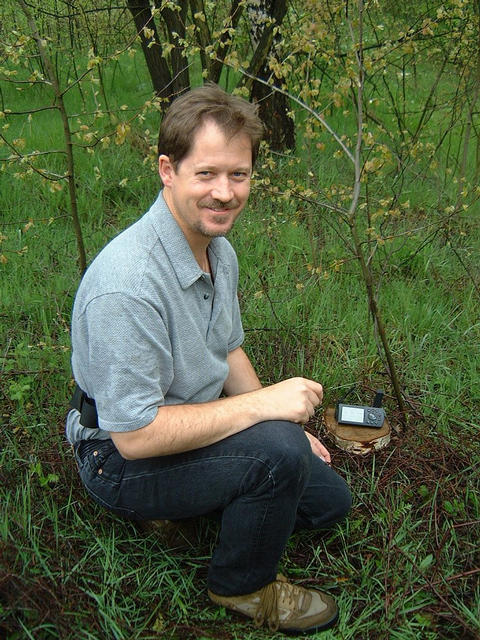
x=222 y=189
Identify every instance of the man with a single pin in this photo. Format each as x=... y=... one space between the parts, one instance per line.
x=185 y=427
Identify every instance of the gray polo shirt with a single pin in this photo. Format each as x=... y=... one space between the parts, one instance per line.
x=149 y=327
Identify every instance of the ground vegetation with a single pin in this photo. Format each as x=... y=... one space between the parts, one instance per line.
x=359 y=267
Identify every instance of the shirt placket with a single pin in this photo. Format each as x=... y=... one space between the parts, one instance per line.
x=207 y=298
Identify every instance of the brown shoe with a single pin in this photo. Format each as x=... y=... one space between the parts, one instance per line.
x=181 y=533
x=284 y=606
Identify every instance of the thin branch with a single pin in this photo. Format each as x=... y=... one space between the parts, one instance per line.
x=20 y=223
x=70 y=174
x=457 y=576
x=33 y=154
x=466 y=268
x=24 y=113
x=305 y=106
x=60 y=16
x=365 y=267
x=19 y=156
x=29 y=82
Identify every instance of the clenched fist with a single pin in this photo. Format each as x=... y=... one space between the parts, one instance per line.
x=294 y=399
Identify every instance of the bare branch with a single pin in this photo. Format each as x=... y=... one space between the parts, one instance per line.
x=70 y=174
x=305 y=106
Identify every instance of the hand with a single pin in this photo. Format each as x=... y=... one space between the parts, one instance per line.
x=318 y=448
x=294 y=399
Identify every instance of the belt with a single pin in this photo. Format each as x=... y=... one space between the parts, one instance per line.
x=86 y=407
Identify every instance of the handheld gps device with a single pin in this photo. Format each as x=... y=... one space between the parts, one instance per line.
x=360 y=415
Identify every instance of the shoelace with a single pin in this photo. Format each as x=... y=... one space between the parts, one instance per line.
x=272 y=595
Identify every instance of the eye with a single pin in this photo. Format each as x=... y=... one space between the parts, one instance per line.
x=240 y=175
x=204 y=174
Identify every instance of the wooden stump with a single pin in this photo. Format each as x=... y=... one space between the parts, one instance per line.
x=359 y=440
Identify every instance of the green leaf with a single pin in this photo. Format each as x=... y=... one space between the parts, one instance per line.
x=426 y=562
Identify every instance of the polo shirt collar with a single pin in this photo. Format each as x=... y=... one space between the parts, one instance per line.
x=176 y=245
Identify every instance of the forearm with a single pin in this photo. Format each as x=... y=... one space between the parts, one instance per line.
x=179 y=428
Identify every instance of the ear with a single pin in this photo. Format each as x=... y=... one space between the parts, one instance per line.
x=165 y=170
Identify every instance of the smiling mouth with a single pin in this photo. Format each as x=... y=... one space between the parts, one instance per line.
x=220 y=207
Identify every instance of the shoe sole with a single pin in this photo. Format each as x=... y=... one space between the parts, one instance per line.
x=316 y=629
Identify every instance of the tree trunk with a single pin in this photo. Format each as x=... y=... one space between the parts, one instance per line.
x=223 y=46
x=175 y=22
x=170 y=74
x=156 y=63
x=273 y=106
x=273 y=110
x=60 y=105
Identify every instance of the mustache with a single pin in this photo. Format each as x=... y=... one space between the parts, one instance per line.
x=218 y=204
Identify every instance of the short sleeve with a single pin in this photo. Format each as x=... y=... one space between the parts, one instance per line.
x=129 y=365
x=237 y=336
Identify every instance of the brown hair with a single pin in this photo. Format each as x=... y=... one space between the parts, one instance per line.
x=187 y=114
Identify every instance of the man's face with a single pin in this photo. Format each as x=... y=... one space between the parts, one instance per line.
x=210 y=186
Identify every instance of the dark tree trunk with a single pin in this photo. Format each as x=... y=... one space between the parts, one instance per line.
x=273 y=110
x=223 y=46
x=175 y=22
x=214 y=65
x=273 y=106
x=170 y=76
x=156 y=63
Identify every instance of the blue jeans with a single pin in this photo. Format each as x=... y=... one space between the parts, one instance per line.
x=265 y=481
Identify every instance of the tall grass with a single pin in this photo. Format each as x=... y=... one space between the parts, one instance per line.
x=405 y=563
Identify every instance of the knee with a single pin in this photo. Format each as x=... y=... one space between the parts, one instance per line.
x=340 y=503
x=343 y=500
x=287 y=449
x=326 y=501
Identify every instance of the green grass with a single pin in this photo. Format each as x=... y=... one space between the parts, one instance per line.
x=404 y=563
x=73 y=566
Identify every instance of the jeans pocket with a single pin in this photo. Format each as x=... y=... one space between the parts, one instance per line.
x=101 y=470
x=82 y=451
x=102 y=459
